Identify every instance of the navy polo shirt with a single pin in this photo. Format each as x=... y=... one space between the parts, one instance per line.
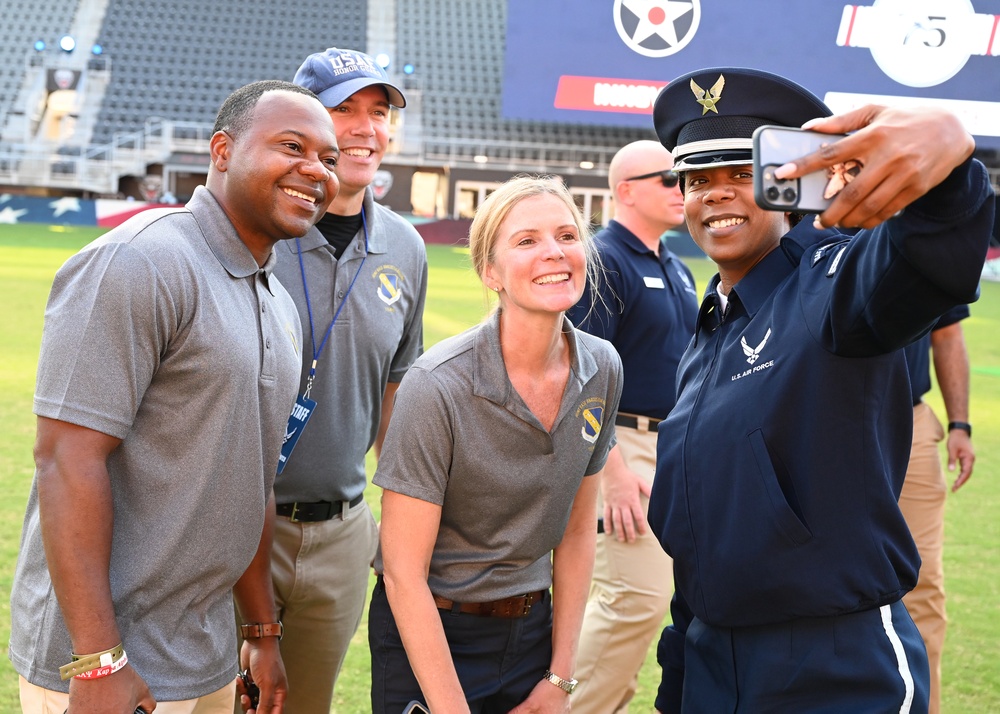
x=918 y=355
x=646 y=308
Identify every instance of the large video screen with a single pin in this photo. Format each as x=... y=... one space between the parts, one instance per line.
x=604 y=61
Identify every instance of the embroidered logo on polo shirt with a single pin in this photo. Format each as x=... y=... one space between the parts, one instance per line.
x=591 y=411
x=390 y=283
x=688 y=287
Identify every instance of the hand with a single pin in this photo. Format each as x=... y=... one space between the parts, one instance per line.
x=960 y=451
x=118 y=693
x=263 y=658
x=904 y=153
x=247 y=691
x=624 y=515
x=545 y=698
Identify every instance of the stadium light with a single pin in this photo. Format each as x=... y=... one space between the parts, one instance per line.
x=408 y=68
x=67 y=43
x=480 y=158
x=39 y=45
x=97 y=50
x=586 y=165
x=382 y=60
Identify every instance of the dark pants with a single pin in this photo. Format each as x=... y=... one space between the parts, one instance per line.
x=498 y=660
x=870 y=662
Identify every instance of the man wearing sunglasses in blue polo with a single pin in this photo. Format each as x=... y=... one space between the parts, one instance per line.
x=646 y=307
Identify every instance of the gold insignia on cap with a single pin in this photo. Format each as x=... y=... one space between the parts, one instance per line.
x=708 y=99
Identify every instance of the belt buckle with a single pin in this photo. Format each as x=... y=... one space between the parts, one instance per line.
x=525 y=608
x=295 y=509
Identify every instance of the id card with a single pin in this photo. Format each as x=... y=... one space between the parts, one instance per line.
x=297 y=421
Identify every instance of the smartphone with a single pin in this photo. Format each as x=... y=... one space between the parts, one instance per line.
x=416 y=707
x=774 y=146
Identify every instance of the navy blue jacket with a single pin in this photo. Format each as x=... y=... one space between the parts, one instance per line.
x=646 y=309
x=779 y=467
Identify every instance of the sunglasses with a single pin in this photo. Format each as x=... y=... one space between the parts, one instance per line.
x=669 y=178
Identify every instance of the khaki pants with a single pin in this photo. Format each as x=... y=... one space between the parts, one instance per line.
x=922 y=503
x=35 y=700
x=629 y=597
x=320 y=574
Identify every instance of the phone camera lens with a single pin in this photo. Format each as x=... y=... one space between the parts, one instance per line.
x=772 y=193
x=789 y=194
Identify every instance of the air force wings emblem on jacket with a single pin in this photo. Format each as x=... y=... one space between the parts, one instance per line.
x=753 y=353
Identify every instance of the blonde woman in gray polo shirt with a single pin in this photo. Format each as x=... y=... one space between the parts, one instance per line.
x=486 y=503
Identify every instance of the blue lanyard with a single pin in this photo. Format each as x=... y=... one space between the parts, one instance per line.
x=305 y=287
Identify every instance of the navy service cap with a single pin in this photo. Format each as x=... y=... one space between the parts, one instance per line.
x=707 y=118
x=334 y=75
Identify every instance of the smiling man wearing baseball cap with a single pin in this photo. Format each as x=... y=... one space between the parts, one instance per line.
x=358 y=280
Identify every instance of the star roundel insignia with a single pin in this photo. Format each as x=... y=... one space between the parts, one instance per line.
x=657 y=28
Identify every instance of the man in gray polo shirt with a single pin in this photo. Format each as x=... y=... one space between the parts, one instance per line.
x=167 y=371
x=358 y=280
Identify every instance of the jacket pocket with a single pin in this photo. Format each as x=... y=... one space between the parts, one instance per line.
x=785 y=517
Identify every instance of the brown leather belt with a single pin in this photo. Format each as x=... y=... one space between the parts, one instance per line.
x=514 y=606
x=510 y=607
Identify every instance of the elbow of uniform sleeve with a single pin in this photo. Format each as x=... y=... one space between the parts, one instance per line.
x=670 y=657
x=946 y=232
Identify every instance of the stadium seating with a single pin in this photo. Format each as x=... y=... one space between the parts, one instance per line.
x=179 y=60
x=22 y=22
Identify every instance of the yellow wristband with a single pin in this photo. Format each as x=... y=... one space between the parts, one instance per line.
x=89 y=662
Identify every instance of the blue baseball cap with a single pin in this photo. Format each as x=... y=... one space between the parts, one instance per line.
x=706 y=118
x=334 y=75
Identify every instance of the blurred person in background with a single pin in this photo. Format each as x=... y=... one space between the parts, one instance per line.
x=922 y=499
x=646 y=309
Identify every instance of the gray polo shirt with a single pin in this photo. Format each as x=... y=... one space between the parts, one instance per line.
x=166 y=334
x=377 y=336
x=461 y=437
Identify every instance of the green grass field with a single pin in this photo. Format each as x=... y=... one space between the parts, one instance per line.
x=30 y=254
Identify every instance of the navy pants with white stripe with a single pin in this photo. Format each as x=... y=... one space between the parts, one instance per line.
x=870 y=662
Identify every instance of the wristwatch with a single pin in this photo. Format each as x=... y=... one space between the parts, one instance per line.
x=567 y=685
x=963 y=425
x=254 y=630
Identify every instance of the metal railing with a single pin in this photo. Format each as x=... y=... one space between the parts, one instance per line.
x=98 y=168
